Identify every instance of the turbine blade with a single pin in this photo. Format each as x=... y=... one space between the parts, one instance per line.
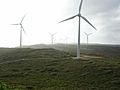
x=68 y=18
x=23 y=29
x=90 y=33
x=88 y=22
x=15 y=24
x=85 y=33
x=50 y=33
x=80 y=6
x=54 y=33
x=22 y=18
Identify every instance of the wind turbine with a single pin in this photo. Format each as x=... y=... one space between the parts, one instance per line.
x=52 y=37
x=21 y=30
x=79 y=16
x=87 y=34
x=66 y=40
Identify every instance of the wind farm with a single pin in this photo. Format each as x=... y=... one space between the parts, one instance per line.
x=78 y=57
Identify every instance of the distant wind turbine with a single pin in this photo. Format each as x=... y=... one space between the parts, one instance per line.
x=21 y=30
x=87 y=34
x=66 y=40
x=52 y=37
x=80 y=16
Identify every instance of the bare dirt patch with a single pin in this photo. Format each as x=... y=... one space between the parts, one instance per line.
x=86 y=57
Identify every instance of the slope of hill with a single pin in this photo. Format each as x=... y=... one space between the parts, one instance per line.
x=50 y=69
x=98 y=49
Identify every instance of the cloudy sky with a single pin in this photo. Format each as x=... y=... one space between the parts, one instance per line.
x=42 y=17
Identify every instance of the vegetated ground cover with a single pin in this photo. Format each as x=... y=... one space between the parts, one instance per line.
x=50 y=69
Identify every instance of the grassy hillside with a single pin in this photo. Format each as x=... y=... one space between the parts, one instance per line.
x=104 y=50
x=98 y=49
x=50 y=69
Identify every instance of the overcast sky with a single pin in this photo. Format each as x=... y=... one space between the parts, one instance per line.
x=42 y=17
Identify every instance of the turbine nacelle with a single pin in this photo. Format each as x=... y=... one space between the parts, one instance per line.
x=79 y=15
x=88 y=34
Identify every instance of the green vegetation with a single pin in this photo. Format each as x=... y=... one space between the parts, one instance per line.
x=4 y=86
x=51 y=69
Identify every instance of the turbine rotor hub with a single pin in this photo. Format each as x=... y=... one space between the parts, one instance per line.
x=79 y=15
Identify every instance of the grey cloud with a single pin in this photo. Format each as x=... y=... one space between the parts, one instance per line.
x=100 y=6
x=107 y=11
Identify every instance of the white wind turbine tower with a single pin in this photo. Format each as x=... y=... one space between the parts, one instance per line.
x=52 y=37
x=21 y=30
x=79 y=16
x=87 y=34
